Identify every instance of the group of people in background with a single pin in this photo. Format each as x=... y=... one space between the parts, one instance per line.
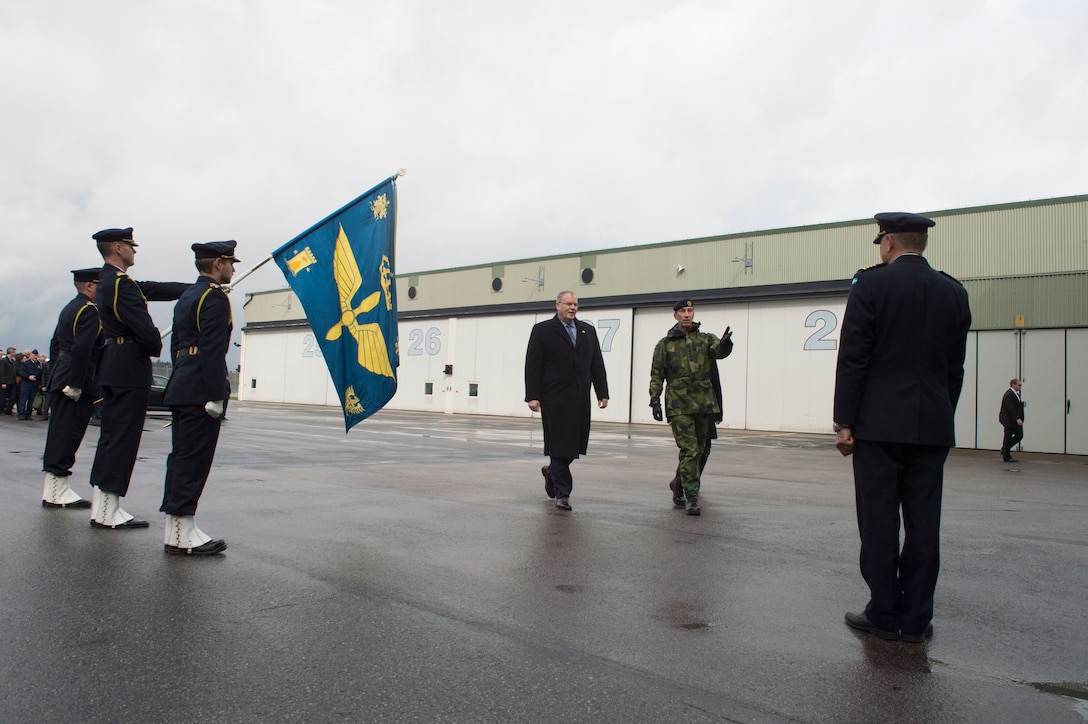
x=101 y=350
x=24 y=377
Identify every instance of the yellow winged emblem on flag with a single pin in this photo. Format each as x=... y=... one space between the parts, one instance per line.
x=373 y=353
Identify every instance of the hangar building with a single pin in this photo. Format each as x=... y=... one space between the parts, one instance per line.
x=463 y=331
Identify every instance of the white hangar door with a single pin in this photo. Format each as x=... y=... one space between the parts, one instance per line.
x=1043 y=369
x=1076 y=392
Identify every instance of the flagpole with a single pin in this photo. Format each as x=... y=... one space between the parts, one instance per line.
x=229 y=287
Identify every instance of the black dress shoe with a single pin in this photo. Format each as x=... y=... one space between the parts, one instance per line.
x=861 y=622
x=81 y=503
x=918 y=638
x=549 y=486
x=562 y=503
x=1011 y=459
x=134 y=523
x=211 y=548
x=677 y=493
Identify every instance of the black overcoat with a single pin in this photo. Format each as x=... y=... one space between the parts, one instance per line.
x=559 y=374
x=901 y=352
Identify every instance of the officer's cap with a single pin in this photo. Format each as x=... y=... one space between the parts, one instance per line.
x=901 y=222
x=86 y=275
x=681 y=303
x=109 y=235
x=216 y=250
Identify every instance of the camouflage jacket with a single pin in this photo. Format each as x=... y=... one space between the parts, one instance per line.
x=684 y=362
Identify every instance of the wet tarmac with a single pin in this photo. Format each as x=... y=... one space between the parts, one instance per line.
x=414 y=571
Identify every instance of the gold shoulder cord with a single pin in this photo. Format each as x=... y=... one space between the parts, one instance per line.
x=75 y=322
x=200 y=305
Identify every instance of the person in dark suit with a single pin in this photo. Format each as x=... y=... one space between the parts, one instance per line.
x=561 y=362
x=1011 y=418
x=897 y=382
x=74 y=351
x=9 y=389
x=131 y=340
x=30 y=375
x=197 y=396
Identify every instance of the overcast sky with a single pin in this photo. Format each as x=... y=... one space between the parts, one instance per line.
x=526 y=128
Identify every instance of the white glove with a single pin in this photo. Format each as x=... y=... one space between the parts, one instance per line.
x=214 y=408
x=72 y=393
x=225 y=288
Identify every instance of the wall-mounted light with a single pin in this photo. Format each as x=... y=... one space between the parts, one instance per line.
x=587 y=275
x=749 y=252
x=539 y=277
x=679 y=268
x=496 y=284
x=412 y=292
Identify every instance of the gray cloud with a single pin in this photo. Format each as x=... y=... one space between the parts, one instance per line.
x=527 y=129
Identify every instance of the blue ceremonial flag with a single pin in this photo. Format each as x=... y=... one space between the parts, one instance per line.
x=342 y=270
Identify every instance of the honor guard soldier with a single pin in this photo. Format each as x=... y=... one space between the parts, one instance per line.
x=73 y=353
x=897 y=381
x=130 y=340
x=197 y=394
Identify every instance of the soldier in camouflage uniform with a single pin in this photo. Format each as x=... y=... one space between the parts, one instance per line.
x=683 y=359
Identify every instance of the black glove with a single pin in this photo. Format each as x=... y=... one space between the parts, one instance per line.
x=657 y=412
x=728 y=334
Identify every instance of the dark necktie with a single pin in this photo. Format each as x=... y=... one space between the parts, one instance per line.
x=570 y=331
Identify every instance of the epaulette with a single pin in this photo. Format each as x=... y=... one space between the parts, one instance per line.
x=861 y=271
x=213 y=285
x=952 y=278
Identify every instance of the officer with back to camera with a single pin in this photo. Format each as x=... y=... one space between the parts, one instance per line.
x=898 y=379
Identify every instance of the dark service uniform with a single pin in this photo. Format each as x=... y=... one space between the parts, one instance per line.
x=196 y=393
x=897 y=382
x=131 y=340
x=74 y=352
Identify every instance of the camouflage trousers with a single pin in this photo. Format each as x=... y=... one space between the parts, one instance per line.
x=691 y=433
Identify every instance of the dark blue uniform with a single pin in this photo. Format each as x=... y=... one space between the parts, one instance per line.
x=28 y=388
x=897 y=382
x=131 y=340
x=74 y=354
x=198 y=346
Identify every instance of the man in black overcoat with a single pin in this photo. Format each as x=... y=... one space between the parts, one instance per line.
x=562 y=360
x=1011 y=418
x=9 y=389
x=131 y=340
x=197 y=395
x=897 y=382
x=74 y=352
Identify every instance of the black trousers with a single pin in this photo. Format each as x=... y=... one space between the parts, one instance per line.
x=67 y=426
x=27 y=392
x=1013 y=435
x=195 y=435
x=123 y=411
x=9 y=395
x=559 y=472
x=889 y=478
